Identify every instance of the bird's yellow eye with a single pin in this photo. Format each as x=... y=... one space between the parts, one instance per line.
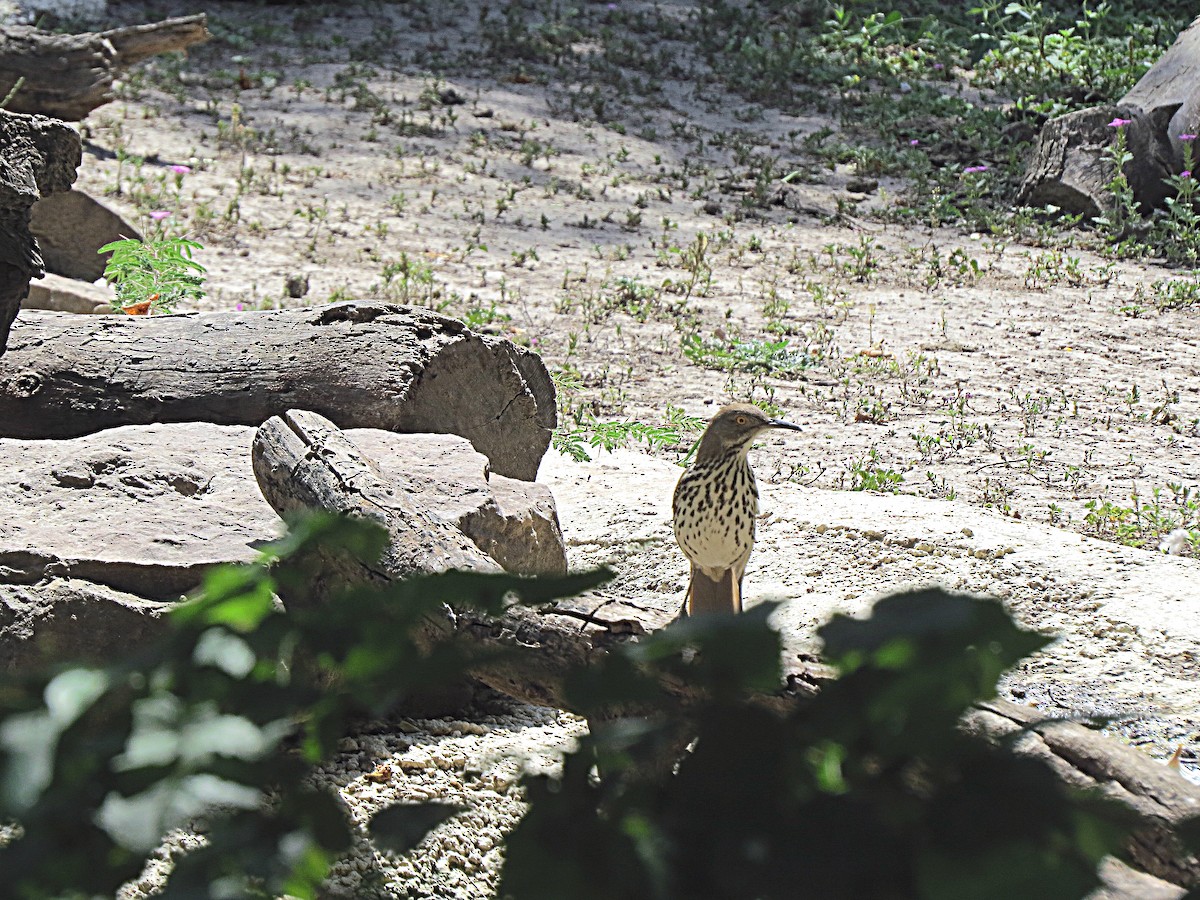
x=741 y=420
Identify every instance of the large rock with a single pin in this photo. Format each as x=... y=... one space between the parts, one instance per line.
x=124 y=520
x=71 y=227
x=512 y=521
x=65 y=618
x=142 y=509
x=57 y=294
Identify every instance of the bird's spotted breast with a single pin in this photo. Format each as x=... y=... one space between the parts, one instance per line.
x=714 y=508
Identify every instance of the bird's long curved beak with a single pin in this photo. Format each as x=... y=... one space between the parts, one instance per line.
x=783 y=423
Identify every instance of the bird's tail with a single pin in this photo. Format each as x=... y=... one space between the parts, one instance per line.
x=707 y=596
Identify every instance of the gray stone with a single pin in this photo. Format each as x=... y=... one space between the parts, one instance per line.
x=514 y=522
x=70 y=227
x=38 y=156
x=63 y=618
x=98 y=534
x=142 y=509
x=58 y=294
x=1122 y=882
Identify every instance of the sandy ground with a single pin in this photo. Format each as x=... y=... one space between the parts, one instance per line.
x=612 y=216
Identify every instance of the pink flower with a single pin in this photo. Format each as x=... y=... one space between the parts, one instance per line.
x=1187 y=137
x=1186 y=173
x=159 y=214
x=181 y=170
x=913 y=142
x=239 y=307
x=1118 y=122
x=938 y=66
x=971 y=170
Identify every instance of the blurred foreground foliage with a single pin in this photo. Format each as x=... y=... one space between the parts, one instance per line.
x=868 y=790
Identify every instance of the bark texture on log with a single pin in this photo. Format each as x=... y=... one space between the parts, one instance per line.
x=1160 y=797
x=69 y=75
x=302 y=461
x=362 y=365
x=38 y=156
x=1069 y=169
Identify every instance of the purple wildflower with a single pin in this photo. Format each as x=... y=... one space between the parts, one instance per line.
x=239 y=307
x=1187 y=137
x=938 y=66
x=1118 y=122
x=181 y=170
x=1186 y=173
x=913 y=142
x=971 y=170
x=159 y=214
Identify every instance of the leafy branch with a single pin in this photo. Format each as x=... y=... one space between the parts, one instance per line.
x=153 y=275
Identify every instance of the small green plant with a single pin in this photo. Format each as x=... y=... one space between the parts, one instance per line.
x=1145 y=521
x=774 y=358
x=153 y=276
x=594 y=433
x=866 y=477
x=1177 y=235
x=1117 y=222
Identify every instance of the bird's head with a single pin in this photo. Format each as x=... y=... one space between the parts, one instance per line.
x=734 y=427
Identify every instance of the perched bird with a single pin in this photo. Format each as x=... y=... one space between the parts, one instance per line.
x=715 y=504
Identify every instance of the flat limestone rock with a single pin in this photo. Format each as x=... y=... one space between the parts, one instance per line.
x=130 y=518
x=70 y=227
x=57 y=294
x=68 y=618
x=143 y=509
x=1125 y=618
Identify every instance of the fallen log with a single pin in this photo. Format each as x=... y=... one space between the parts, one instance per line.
x=1069 y=167
x=38 y=157
x=69 y=75
x=362 y=365
x=1160 y=798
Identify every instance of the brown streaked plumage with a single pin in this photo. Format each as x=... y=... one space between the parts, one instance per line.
x=715 y=504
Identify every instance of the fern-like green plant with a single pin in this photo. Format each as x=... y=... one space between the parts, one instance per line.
x=153 y=276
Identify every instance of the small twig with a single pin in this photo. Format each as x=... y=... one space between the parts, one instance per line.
x=618 y=626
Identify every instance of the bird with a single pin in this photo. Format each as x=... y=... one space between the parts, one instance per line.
x=715 y=505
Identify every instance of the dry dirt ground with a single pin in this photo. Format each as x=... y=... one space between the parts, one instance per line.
x=609 y=207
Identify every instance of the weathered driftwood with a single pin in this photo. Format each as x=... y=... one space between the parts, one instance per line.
x=38 y=157
x=1069 y=168
x=363 y=365
x=303 y=462
x=69 y=75
x=1160 y=798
